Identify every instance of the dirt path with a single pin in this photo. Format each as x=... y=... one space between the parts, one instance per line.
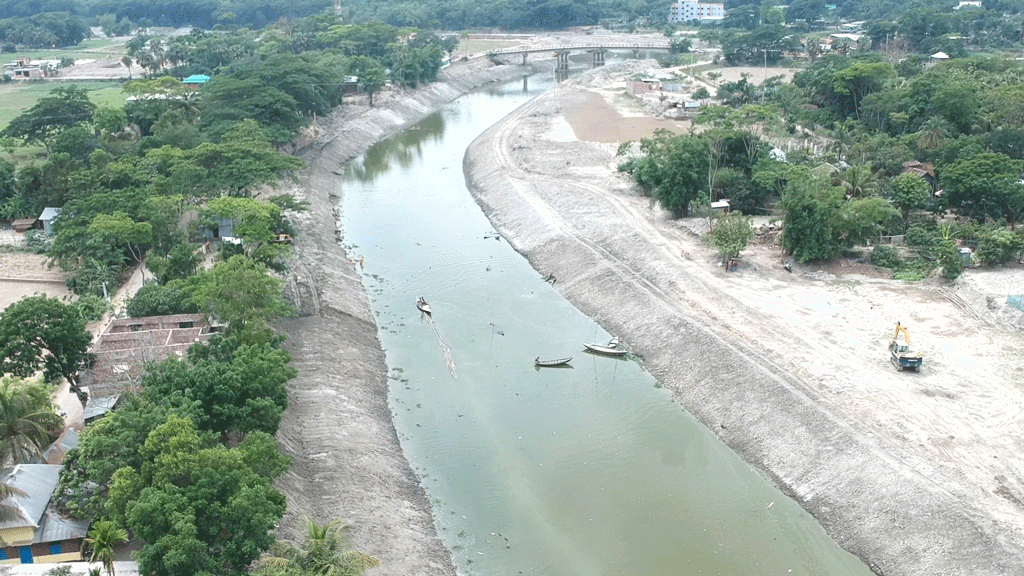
x=917 y=473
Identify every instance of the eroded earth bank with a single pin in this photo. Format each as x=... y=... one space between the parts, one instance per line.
x=348 y=464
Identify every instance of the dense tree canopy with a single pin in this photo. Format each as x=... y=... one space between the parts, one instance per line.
x=673 y=170
x=43 y=333
x=66 y=106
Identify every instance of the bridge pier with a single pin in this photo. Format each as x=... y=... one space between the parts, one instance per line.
x=599 y=55
x=562 y=61
x=524 y=58
x=636 y=53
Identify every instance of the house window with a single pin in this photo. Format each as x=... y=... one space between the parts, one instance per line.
x=55 y=548
x=186 y=324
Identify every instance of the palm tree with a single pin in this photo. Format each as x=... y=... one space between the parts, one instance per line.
x=933 y=133
x=324 y=553
x=859 y=181
x=103 y=536
x=28 y=421
x=10 y=510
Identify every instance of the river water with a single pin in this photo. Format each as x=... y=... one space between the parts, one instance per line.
x=587 y=470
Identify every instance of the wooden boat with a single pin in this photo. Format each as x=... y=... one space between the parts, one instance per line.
x=555 y=362
x=422 y=305
x=605 y=350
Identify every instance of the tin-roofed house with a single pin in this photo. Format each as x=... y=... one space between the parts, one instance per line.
x=39 y=534
x=47 y=217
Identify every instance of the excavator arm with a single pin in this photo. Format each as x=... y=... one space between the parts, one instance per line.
x=906 y=333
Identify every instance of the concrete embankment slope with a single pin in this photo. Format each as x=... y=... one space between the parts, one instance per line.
x=348 y=464
x=557 y=203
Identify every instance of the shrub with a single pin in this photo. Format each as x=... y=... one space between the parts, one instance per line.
x=998 y=247
x=885 y=256
x=37 y=240
x=920 y=237
x=91 y=307
x=157 y=300
x=9 y=47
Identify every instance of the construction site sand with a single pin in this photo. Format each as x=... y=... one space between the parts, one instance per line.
x=916 y=473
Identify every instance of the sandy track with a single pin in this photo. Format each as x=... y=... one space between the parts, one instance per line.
x=916 y=473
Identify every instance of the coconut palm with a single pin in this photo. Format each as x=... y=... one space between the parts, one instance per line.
x=9 y=510
x=28 y=421
x=103 y=536
x=932 y=133
x=323 y=553
x=859 y=181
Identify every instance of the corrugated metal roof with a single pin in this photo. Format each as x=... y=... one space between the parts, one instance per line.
x=49 y=213
x=37 y=481
x=67 y=441
x=55 y=528
x=99 y=406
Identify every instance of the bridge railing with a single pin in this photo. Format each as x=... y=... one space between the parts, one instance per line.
x=572 y=47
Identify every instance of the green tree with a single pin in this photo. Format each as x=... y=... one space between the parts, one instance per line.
x=731 y=235
x=673 y=170
x=180 y=263
x=860 y=79
x=999 y=247
x=28 y=421
x=371 y=74
x=159 y=300
x=240 y=293
x=909 y=192
x=103 y=537
x=39 y=332
x=243 y=158
x=948 y=254
x=66 y=106
x=812 y=208
x=985 y=184
x=119 y=230
x=244 y=394
x=199 y=509
x=862 y=219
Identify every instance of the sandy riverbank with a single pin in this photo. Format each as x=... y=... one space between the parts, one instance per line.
x=348 y=463
x=918 y=474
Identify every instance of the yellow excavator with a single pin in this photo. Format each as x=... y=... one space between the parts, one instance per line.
x=902 y=357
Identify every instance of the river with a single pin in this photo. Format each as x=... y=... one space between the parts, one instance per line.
x=586 y=470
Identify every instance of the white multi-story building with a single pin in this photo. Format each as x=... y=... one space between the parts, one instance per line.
x=687 y=10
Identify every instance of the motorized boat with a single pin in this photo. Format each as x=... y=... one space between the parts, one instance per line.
x=422 y=305
x=605 y=350
x=555 y=362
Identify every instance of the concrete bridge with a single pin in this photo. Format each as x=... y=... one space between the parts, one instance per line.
x=597 y=49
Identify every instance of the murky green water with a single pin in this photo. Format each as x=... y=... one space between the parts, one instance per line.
x=590 y=470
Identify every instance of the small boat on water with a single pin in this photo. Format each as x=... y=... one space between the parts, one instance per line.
x=605 y=350
x=422 y=305
x=555 y=362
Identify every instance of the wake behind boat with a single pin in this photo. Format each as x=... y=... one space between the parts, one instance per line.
x=422 y=305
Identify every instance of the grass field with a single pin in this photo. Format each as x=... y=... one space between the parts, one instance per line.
x=91 y=48
x=16 y=97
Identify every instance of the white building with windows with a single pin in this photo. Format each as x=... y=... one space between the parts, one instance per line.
x=688 y=10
